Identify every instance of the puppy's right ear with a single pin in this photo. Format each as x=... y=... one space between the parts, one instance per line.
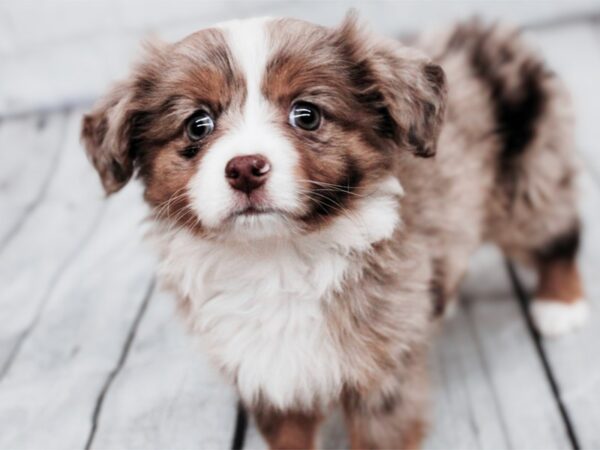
x=106 y=132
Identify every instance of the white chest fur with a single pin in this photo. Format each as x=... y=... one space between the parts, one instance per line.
x=258 y=308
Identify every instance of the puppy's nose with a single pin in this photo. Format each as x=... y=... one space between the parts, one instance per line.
x=247 y=173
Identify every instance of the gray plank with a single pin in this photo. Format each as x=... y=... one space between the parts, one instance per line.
x=575 y=358
x=491 y=390
x=465 y=414
x=29 y=151
x=49 y=394
x=71 y=290
x=51 y=235
x=167 y=395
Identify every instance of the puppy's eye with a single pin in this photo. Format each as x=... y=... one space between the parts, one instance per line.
x=305 y=115
x=200 y=125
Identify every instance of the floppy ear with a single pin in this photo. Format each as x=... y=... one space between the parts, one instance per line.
x=415 y=92
x=106 y=135
x=410 y=90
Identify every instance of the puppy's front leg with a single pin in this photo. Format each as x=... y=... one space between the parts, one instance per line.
x=392 y=415
x=288 y=430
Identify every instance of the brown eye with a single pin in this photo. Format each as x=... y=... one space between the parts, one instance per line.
x=305 y=115
x=200 y=125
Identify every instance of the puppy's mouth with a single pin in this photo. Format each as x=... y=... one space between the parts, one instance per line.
x=259 y=222
x=250 y=211
x=256 y=205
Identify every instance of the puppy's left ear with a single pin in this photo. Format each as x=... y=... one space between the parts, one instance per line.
x=106 y=132
x=416 y=96
x=409 y=90
x=110 y=132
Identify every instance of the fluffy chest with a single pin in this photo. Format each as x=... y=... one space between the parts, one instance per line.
x=259 y=313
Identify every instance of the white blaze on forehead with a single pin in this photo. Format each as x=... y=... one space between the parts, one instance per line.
x=256 y=130
x=249 y=45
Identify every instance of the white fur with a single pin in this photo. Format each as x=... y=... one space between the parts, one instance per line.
x=258 y=308
x=254 y=132
x=555 y=318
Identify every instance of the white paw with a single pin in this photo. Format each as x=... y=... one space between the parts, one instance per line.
x=555 y=318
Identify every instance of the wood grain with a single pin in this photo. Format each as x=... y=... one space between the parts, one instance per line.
x=166 y=395
x=30 y=150
x=53 y=383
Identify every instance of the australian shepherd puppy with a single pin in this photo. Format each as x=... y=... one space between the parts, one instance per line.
x=316 y=195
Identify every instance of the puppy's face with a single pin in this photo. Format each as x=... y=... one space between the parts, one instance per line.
x=264 y=127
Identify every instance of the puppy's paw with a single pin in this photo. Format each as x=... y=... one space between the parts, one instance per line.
x=554 y=318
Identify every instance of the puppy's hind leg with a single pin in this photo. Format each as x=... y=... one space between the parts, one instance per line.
x=532 y=207
x=559 y=306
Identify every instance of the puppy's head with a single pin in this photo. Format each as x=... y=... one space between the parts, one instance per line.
x=265 y=126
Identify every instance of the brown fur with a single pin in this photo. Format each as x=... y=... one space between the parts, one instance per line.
x=357 y=95
x=290 y=430
x=148 y=113
x=560 y=281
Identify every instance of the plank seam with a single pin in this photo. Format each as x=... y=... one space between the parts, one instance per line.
x=120 y=363
x=63 y=268
x=523 y=300
x=62 y=107
x=590 y=16
x=241 y=427
x=41 y=194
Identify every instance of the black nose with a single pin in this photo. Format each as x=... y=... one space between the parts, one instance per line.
x=247 y=173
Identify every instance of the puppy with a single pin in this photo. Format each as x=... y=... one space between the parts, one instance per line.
x=317 y=193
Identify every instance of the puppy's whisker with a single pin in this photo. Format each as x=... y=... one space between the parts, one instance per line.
x=333 y=187
x=336 y=206
x=164 y=209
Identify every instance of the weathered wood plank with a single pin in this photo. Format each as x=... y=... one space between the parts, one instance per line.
x=69 y=339
x=166 y=395
x=574 y=53
x=491 y=390
x=29 y=151
x=49 y=394
x=575 y=358
x=46 y=243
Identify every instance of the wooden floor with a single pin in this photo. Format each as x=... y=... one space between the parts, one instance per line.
x=92 y=355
